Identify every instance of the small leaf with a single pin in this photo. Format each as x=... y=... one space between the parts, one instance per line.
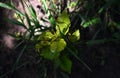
x=101 y=10
x=38 y=47
x=65 y=64
x=75 y=36
x=57 y=46
x=72 y=4
x=47 y=54
x=63 y=18
x=45 y=43
x=63 y=23
x=45 y=36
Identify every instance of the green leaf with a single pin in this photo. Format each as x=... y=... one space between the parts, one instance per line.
x=75 y=55
x=38 y=47
x=101 y=10
x=28 y=21
x=5 y=6
x=10 y=6
x=91 y=22
x=72 y=4
x=95 y=42
x=16 y=22
x=16 y=36
x=65 y=64
x=52 y=21
x=47 y=54
x=45 y=5
x=45 y=36
x=75 y=36
x=36 y=23
x=57 y=46
x=32 y=12
x=63 y=23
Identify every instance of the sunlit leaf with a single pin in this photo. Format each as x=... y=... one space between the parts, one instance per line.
x=63 y=23
x=44 y=43
x=57 y=46
x=72 y=4
x=45 y=36
x=75 y=36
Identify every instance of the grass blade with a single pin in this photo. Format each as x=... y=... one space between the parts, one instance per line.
x=7 y=6
x=18 y=59
x=16 y=22
x=73 y=53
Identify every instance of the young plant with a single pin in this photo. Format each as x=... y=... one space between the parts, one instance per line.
x=51 y=43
